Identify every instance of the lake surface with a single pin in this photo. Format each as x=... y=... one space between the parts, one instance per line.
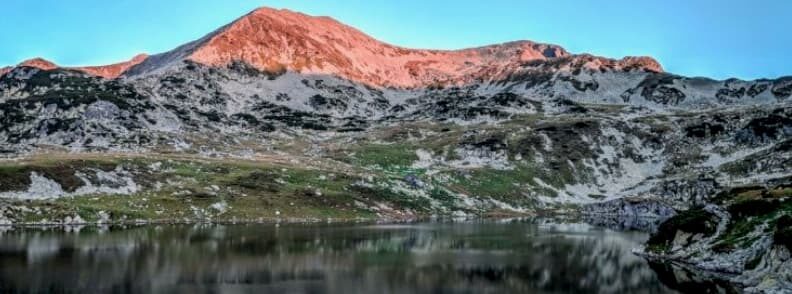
x=507 y=256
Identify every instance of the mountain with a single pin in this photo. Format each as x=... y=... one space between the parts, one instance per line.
x=39 y=63
x=284 y=115
x=277 y=40
x=111 y=71
x=281 y=40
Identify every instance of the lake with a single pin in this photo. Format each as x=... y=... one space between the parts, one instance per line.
x=485 y=256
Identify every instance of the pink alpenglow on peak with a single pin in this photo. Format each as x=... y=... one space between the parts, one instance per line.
x=643 y=62
x=113 y=70
x=278 y=40
x=105 y=71
x=39 y=63
x=282 y=40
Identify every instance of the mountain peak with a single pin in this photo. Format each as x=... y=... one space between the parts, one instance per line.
x=106 y=71
x=39 y=63
x=287 y=13
x=645 y=62
x=277 y=40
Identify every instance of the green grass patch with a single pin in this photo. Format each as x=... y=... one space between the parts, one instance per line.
x=746 y=217
x=441 y=195
x=385 y=156
x=399 y=200
x=503 y=185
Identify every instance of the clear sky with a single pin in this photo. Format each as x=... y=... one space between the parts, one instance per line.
x=724 y=38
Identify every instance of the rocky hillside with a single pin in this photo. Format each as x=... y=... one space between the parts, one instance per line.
x=111 y=71
x=528 y=125
x=744 y=236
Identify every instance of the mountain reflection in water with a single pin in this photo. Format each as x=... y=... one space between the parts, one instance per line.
x=518 y=256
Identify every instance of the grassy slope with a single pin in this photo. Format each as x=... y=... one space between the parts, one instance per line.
x=382 y=158
x=184 y=188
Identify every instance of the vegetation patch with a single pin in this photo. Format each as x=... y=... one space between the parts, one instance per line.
x=783 y=232
x=442 y=196
x=509 y=186
x=385 y=156
x=694 y=221
x=401 y=201
x=259 y=180
x=752 y=208
x=746 y=217
x=17 y=177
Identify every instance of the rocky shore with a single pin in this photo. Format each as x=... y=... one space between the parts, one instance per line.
x=743 y=237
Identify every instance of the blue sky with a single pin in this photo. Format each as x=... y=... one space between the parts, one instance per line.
x=720 y=39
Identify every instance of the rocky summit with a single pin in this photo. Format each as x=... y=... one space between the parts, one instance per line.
x=285 y=115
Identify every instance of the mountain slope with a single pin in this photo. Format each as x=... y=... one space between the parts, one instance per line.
x=39 y=63
x=519 y=126
x=111 y=71
x=279 y=40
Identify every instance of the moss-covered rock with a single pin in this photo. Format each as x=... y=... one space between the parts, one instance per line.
x=695 y=221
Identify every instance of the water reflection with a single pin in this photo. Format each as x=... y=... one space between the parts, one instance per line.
x=521 y=256
x=690 y=280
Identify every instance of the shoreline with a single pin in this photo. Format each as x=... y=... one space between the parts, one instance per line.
x=289 y=220
x=717 y=277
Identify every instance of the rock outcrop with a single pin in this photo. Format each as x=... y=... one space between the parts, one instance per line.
x=744 y=237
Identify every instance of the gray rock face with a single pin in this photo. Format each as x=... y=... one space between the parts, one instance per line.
x=589 y=136
x=631 y=207
x=686 y=193
x=101 y=110
x=740 y=241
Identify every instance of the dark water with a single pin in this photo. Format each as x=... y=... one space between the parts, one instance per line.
x=521 y=256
